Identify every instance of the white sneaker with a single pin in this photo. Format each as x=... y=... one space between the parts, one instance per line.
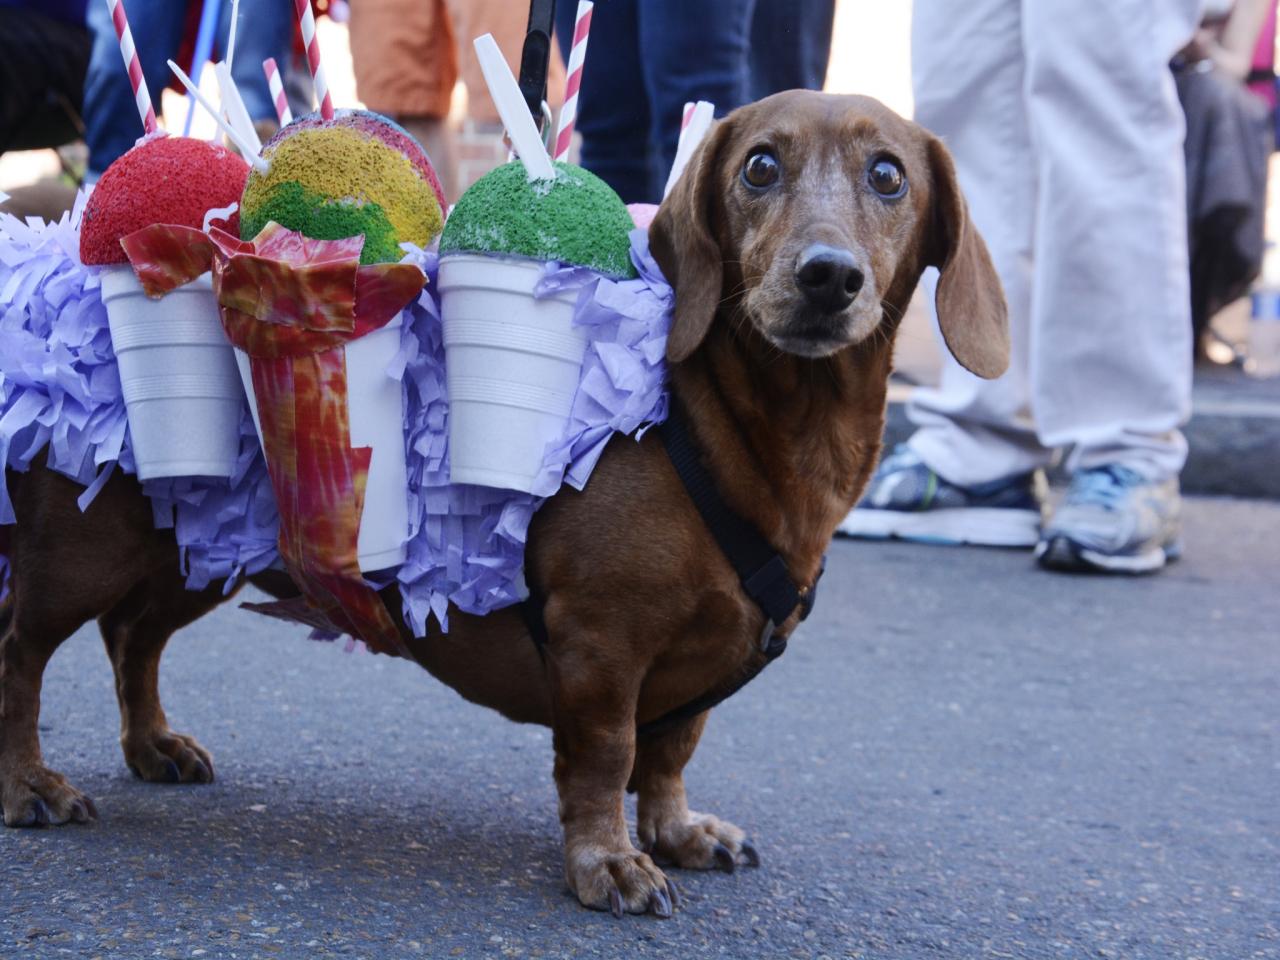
x=1116 y=521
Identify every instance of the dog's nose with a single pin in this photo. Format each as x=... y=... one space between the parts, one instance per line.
x=828 y=276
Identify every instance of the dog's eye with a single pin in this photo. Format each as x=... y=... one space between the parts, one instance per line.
x=761 y=170
x=887 y=178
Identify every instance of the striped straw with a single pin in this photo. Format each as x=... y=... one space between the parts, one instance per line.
x=276 y=87
x=577 y=56
x=693 y=127
x=131 y=62
x=312 y=43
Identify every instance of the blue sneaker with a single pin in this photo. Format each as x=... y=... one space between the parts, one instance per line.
x=907 y=500
x=1116 y=521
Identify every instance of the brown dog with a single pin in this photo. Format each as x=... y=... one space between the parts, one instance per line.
x=794 y=242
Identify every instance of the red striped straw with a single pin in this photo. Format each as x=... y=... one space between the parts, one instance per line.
x=312 y=43
x=130 y=53
x=283 y=114
x=577 y=56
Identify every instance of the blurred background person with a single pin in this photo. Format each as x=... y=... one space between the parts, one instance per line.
x=1068 y=138
x=647 y=58
x=44 y=53
x=1226 y=83
x=159 y=27
x=409 y=54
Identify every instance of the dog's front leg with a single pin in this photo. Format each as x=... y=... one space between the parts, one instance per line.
x=667 y=827
x=595 y=749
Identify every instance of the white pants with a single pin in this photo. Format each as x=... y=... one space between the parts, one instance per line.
x=1067 y=135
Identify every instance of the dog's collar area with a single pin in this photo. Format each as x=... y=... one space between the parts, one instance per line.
x=761 y=569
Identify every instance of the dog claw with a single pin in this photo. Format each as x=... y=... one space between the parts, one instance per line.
x=660 y=904
x=91 y=807
x=724 y=858
x=40 y=815
x=615 y=902
x=673 y=893
x=752 y=855
x=202 y=773
x=171 y=772
x=79 y=812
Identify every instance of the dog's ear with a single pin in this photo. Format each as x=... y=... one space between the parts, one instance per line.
x=683 y=241
x=972 y=311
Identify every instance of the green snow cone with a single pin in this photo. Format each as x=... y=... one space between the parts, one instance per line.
x=575 y=219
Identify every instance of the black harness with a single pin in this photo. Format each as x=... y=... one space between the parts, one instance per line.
x=762 y=571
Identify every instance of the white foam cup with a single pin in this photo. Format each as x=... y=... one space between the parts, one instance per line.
x=375 y=409
x=512 y=366
x=178 y=375
x=375 y=412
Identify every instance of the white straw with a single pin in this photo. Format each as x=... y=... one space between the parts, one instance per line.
x=233 y=106
x=249 y=154
x=514 y=111
x=231 y=33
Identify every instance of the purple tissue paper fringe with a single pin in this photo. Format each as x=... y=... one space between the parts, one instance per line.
x=60 y=390
x=466 y=545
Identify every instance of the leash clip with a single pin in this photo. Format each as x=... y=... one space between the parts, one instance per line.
x=766 y=634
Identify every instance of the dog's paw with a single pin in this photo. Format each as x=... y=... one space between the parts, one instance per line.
x=698 y=842
x=163 y=756
x=35 y=796
x=621 y=882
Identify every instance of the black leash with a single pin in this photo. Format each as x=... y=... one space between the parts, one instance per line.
x=535 y=56
x=761 y=570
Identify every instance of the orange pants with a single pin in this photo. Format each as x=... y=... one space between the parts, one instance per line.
x=409 y=54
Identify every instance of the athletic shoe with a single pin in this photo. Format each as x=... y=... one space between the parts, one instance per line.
x=909 y=501
x=1116 y=521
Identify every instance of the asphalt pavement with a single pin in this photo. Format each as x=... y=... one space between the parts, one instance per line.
x=960 y=757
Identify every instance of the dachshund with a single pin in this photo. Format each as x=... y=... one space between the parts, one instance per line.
x=794 y=241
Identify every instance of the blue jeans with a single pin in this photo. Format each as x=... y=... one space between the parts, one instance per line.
x=110 y=116
x=647 y=58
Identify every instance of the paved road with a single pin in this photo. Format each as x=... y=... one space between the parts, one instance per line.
x=960 y=758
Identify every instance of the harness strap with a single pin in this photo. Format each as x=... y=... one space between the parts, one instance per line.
x=761 y=570
x=763 y=573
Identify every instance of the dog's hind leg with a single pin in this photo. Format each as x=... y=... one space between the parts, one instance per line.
x=667 y=828
x=135 y=632
x=68 y=566
x=31 y=794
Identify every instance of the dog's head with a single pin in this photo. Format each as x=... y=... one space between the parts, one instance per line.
x=809 y=212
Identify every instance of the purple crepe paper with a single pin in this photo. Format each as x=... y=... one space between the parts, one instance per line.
x=60 y=390
x=466 y=545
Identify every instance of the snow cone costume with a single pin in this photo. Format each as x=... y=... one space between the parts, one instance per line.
x=314 y=271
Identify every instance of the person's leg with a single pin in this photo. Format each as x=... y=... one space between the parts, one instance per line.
x=790 y=45
x=42 y=70
x=968 y=474
x=507 y=22
x=110 y=113
x=265 y=30
x=968 y=79
x=613 y=107
x=1111 y=367
x=405 y=61
x=691 y=50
